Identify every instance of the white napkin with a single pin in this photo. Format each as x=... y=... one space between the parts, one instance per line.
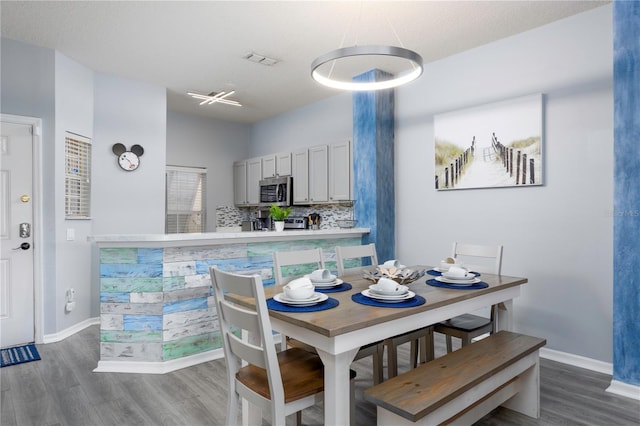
x=300 y=283
x=320 y=275
x=457 y=272
x=387 y=284
x=391 y=264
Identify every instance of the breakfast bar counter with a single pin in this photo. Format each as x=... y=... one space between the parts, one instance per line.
x=157 y=312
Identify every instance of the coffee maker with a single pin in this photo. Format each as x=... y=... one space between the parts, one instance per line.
x=261 y=220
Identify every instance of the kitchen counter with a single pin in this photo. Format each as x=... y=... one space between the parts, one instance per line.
x=157 y=312
x=183 y=240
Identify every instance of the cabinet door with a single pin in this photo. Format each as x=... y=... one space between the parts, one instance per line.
x=254 y=175
x=300 y=174
x=283 y=164
x=340 y=171
x=318 y=172
x=240 y=183
x=269 y=166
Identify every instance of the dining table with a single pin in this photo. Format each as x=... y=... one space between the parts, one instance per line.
x=339 y=332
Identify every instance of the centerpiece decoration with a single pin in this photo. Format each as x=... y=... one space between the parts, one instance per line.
x=279 y=214
x=399 y=275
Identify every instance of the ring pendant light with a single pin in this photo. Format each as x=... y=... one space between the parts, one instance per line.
x=373 y=50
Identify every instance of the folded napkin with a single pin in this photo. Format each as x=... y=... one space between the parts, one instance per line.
x=320 y=275
x=458 y=272
x=300 y=283
x=387 y=284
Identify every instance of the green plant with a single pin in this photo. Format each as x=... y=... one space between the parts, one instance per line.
x=278 y=213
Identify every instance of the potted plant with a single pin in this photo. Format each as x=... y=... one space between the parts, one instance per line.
x=279 y=214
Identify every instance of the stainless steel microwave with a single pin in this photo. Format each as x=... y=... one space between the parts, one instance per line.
x=278 y=191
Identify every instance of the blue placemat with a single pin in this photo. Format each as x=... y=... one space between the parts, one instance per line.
x=438 y=273
x=364 y=300
x=277 y=306
x=336 y=289
x=476 y=286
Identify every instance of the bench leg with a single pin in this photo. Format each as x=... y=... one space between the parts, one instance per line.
x=527 y=400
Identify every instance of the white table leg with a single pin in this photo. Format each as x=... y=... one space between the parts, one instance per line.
x=505 y=315
x=336 y=386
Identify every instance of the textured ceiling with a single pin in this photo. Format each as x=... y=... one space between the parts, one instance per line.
x=199 y=46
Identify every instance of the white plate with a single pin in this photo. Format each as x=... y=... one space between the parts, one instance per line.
x=458 y=282
x=313 y=300
x=403 y=290
x=388 y=299
x=330 y=284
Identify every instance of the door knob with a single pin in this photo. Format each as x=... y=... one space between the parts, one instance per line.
x=23 y=246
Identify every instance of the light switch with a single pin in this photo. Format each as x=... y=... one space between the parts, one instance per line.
x=71 y=234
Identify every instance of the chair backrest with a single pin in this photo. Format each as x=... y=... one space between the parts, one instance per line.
x=307 y=260
x=260 y=351
x=479 y=258
x=365 y=253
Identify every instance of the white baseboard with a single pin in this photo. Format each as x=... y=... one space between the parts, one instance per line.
x=577 y=361
x=616 y=387
x=61 y=335
x=157 y=367
x=624 y=389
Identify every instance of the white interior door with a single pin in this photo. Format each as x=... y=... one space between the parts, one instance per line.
x=16 y=233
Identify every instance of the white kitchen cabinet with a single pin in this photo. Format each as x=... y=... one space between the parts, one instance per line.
x=283 y=164
x=240 y=183
x=246 y=182
x=268 y=166
x=254 y=175
x=318 y=174
x=275 y=165
x=340 y=171
x=300 y=175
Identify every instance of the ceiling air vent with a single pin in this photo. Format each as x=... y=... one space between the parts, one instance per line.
x=260 y=59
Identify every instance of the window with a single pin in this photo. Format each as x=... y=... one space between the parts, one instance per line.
x=77 y=177
x=186 y=199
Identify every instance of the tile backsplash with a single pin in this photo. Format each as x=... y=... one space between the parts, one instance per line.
x=231 y=216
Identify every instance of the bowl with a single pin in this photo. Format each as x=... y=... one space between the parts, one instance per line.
x=346 y=223
x=298 y=293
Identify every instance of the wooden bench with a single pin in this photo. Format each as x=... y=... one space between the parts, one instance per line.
x=463 y=386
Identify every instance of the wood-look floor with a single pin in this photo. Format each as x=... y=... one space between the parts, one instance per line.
x=62 y=389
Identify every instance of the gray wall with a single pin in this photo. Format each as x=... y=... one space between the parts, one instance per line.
x=74 y=113
x=202 y=142
x=558 y=235
x=129 y=112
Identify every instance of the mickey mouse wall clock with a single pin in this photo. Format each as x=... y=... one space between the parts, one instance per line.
x=128 y=160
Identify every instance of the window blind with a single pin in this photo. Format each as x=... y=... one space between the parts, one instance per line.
x=77 y=178
x=185 y=199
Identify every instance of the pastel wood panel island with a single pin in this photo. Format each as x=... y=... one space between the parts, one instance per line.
x=157 y=311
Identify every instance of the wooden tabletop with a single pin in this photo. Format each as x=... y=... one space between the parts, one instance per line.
x=350 y=316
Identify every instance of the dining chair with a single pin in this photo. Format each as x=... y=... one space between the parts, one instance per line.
x=303 y=258
x=346 y=253
x=279 y=383
x=367 y=252
x=466 y=327
x=297 y=264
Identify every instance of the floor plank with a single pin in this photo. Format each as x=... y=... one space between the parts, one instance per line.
x=62 y=389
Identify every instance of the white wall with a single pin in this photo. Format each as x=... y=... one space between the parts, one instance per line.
x=558 y=235
x=128 y=112
x=204 y=142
